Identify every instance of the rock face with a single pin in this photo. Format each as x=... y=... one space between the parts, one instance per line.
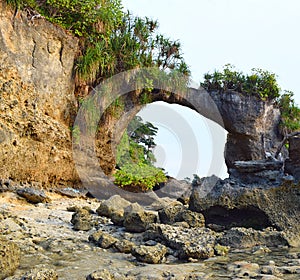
x=292 y=164
x=231 y=203
x=252 y=126
x=9 y=258
x=37 y=99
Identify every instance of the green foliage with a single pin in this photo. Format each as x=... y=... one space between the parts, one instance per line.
x=139 y=175
x=111 y=40
x=137 y=143
x=259 y=83
x=290 y=113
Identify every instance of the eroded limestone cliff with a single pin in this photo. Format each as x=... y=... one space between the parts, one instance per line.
x=37 y=102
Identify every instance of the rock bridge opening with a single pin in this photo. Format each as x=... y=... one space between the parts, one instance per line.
x=252 y=124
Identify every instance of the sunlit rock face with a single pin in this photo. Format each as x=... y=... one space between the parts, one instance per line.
x=38 y=104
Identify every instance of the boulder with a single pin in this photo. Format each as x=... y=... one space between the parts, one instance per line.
x=171 y=213
x=40 y=274
x=103 y=239
x=9 y=258
x=136 y=219
x=113 y=208
x=150 y=254
x=231 y=203
x=193 y=219
x=195 y=243
x=124 y=246
x=100 y=275
x=33 y=195
x=82 y=220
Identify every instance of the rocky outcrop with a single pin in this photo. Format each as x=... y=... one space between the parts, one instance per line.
x=252 y=126
x=9 y=258
x=37 y=100
x=150 y=254
x=292 y=164
x=231 y=203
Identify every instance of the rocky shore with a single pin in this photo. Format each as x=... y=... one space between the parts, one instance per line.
x=67 y=235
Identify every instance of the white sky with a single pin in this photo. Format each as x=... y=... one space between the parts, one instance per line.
x=246 y=33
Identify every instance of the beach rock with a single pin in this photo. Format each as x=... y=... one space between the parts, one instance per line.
x=193 y=219
x=248 y=238
x=9 y=258
x=82 y=220
x=172 y=213
x=150 y=254
x=33 y=195
x=231 y=203
x=136 y=219
x=100 y=275
x=103 y=239
x=124 y=246
x=113 y=208
x=196 y=243
x=40 y=274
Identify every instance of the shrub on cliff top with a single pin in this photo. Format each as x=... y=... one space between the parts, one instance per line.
x=260 y=83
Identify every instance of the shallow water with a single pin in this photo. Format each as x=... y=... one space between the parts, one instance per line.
x=78 y=264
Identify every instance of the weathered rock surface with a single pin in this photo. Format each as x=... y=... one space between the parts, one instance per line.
x=9 y=258
x=82 y=220
x=33 y=195
x=249 y=238
x=113 y=208
x=136 y=219
x=37 y=100
x=103 y=239
x=196 y=243
x=231 y=204
x=100 y=275
x=40 y=274
x=150 y=254
x=292 y=164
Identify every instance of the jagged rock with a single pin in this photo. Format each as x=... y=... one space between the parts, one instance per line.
x=9 y=258
x=103 y=239
x=150 y=254
x=193 y=219
x=113 y=208
x=171 y=213
x=258 y=172
x=40 y=274
x=33 y=195
x=292 y=164
x=248 y=238
x=196 y=243
x=136 y=219
x=100 y=275
x=124 y=246
x=82 y=220
x=233 y=204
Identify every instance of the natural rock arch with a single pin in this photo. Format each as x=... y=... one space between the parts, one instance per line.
x=252 y=124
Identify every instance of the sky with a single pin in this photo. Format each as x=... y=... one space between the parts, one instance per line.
x=246 y=33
